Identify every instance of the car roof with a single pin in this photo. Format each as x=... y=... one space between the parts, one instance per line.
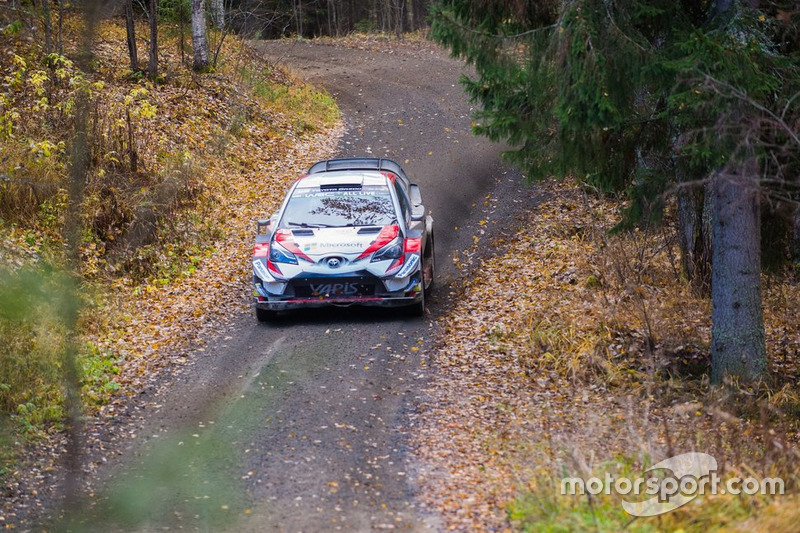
x=342 y=177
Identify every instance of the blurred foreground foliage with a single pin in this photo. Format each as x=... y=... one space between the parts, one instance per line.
x=33 y=339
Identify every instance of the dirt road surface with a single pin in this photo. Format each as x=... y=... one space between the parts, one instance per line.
x=302 y=424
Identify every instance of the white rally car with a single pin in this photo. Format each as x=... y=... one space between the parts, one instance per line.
x=350 y=232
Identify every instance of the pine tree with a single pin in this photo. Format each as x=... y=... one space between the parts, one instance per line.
x=643 y=96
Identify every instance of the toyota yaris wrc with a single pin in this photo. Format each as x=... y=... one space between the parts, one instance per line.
x=350 y=232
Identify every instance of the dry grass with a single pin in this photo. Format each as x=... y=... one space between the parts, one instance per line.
x=598 y=363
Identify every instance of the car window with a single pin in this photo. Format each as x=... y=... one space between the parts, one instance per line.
x=338 y=207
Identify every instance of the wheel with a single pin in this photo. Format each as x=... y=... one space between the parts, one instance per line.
x=265 y=315
x=430 y=264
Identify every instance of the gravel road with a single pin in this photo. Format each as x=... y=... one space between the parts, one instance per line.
x=303 y=424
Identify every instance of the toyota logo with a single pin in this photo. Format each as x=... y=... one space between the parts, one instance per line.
x=334 y=262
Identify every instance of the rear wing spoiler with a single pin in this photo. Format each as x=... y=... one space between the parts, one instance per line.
x=360 y=163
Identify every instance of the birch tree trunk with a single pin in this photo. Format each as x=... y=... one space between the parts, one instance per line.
x=737 y=330
x=199 y=36
x=218 y=13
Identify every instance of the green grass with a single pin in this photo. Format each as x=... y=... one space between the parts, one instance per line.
x=310 y=107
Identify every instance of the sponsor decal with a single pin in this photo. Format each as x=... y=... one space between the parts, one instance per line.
x=344 y=190
x=390 y=175
x=409 y=267
x=334 y=289
x=261 y=270
x=316 y=246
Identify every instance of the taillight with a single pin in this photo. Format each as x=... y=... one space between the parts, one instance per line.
x=261 y=249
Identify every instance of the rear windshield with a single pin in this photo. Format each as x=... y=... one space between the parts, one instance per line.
x=365 y=206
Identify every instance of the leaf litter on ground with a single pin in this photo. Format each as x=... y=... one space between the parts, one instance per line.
x=150 y=325
x=563 y=353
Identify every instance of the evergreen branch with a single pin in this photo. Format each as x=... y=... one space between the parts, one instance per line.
x=625 y=35
x=736 y=93
x=486 y=35
x=529 y=32
x=788 y=104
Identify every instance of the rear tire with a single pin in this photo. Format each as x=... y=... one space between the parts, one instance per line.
x=417 y=310
x=265 y=315
x=431 y=261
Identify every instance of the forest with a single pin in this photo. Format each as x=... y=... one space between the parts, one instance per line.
x=626 y=290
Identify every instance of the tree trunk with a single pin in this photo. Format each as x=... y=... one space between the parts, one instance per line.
x=68 y=299
x=694 y=234
x=796 y=239
x=330 y=17
x=199 y=37
x=48 y=27
x=182 y=30
x=130 y=29
x=218 y=13
x=689 y=212
x=299 y=15
x=737 y=331
x=152 y=67
x=61 y=27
